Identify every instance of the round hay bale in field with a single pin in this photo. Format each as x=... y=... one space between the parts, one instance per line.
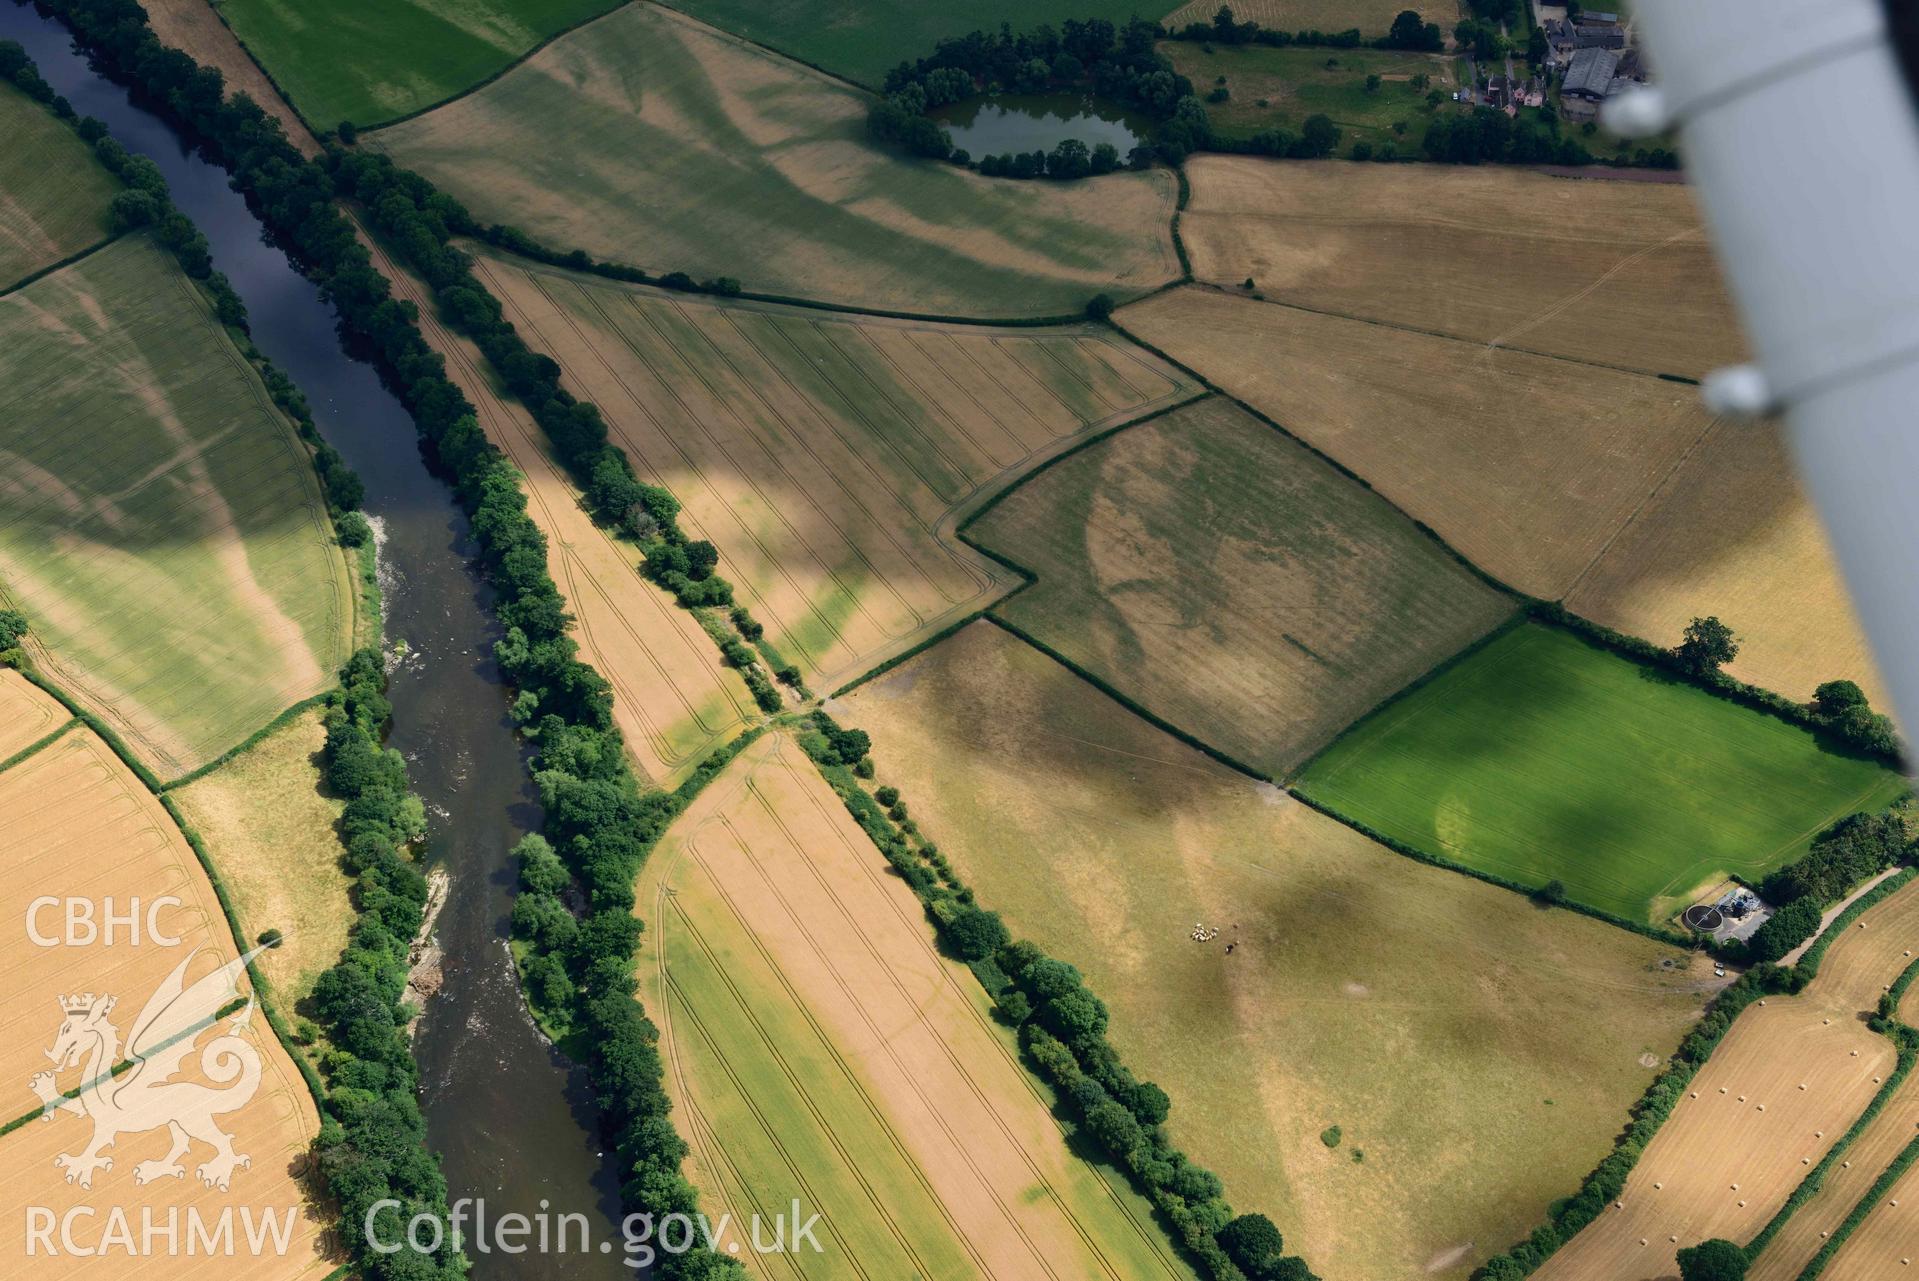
x=1704 y=917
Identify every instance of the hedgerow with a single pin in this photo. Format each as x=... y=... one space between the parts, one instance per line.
x=598 y=819
x=1608 y=1179
x=372 y=1141
x=1062 y=1028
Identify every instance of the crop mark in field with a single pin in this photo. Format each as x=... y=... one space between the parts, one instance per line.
x=820 y=807
x=773 y=879
x=1558 y=308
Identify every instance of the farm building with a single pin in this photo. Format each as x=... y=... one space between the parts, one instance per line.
x=1591 y=75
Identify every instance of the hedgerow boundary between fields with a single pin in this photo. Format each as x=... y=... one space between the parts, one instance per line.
x=1061 y=1024
x=70 y=8
x=597 y=813
x=1906 y=1042
x=376 y=1095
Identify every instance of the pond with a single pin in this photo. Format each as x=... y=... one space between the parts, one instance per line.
x=1022 y=122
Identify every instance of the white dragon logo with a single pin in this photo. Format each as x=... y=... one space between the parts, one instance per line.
x=143 y=1097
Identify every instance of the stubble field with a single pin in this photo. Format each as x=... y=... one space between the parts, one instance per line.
x=1784 y=1085
x=828 y=457
x=53 y=197
x=673 y=698
x=159 y=518
x=1492 y=254
x=1231 y=582
x=27 y=714
x=79 y=825
x=688 y=150
x=1542 y=757
x=1526 y=464
x=819 y=1048
x=1730 y=533
x=1480 y=1053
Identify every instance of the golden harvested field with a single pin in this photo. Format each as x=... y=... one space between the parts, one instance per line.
x=271 y=832
x=1617 y=273
x=80 y=826
x=818 y=1047
x=1481 y=1053
x=830 y=458
x=159 y=518
x=1372 y=17
x=1896 y=1125
x=1528 y=465
x=27 y=713
x=53 y=197
x=690 y=150
x=673 y=699
x=1747 y=1120
x=1730 y=533
x=1886 y=1240
x=1232 y=582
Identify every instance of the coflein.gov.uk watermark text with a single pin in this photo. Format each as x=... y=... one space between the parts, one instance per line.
x=642 y=1237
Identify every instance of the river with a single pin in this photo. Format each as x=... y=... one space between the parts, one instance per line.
x=507 y=1113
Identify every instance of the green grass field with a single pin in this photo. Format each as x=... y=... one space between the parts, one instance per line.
x=53 y=197
x=1272 y=88
x=1232 y=583
x=160 y=523
x=864 y=39
x=686 y=149
x=369 y=61
x=1480 y=1052
x=1542 y=757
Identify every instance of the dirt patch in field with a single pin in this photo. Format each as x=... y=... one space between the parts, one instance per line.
x=691 y=150
x=1527 y=465
x=1232 y=582
x=1784 y=1085
x=80 y=827
x=1105 y=840
x=1614 y=273
x=829 y=458
x=766 y=898
x=1731 y=533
